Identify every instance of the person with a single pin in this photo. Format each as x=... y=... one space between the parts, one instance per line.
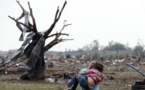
x=85 y=69
x=88 y=79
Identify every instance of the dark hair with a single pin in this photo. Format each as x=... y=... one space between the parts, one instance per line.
x=98 y=66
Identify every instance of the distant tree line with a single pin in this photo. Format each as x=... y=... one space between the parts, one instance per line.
x=114 y=50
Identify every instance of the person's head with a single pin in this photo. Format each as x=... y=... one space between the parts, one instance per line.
x=91 y=64
x=98 y=66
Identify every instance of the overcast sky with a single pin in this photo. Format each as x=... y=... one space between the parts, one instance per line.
x=103 y=20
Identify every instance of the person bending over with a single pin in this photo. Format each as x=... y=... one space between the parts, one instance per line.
x=85 y=69
x=88 y=79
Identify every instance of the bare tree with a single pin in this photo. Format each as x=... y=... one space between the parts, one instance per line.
x=35 y=49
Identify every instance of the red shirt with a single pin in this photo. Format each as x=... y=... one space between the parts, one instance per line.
x=94 y=74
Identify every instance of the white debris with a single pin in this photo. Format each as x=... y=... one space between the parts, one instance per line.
x=50 y=80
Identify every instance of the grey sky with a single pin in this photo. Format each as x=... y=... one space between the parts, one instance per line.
x=103 y=20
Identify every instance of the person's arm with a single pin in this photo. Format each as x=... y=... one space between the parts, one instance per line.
x=97 y=77
x=83 y=70
x=84 y=73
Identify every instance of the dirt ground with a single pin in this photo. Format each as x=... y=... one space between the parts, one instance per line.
x=117 y=77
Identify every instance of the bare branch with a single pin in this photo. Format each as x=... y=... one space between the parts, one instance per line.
x=55 y=21
x=56 y=40
x=66 y=39
x=51 y=44
x=20 y=5
x=64 y=25
x=56 y=14
x=62 y=9
x=57 y=34
x=62 y=29
x=33 y=19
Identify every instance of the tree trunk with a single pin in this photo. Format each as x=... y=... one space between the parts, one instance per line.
x=36 y=72
x=34 y=53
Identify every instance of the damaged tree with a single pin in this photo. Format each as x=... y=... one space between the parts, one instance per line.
x=34 y=50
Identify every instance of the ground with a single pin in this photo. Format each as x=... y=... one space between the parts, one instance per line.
x=117 y=77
